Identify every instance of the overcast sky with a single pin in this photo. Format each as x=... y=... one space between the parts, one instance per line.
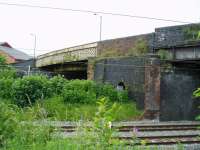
x=56 y=29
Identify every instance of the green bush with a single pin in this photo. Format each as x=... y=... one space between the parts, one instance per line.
x=30 y=88
x=86 y=91
x=6 y=91
x=108 y=90
x=25 y=91
x=57 y=84
x=79 y=96
x=7 y=72
x=85 y=85
x=79 y=91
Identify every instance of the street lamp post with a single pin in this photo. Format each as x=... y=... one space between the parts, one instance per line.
x=100 y=26
x=34 y=49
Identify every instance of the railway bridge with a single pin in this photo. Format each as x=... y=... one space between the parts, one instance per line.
x=180 y=46
x=164 y=94
x=71 y=62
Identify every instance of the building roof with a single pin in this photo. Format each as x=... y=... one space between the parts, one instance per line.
x=19 y=55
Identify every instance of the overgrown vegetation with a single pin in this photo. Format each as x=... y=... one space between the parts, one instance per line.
x=140 y=48
x=164 y=54
x=29 y=89
x=192 y=32
x=26 y=100
x=17 y=134
x=196 y=94
x=63 y=99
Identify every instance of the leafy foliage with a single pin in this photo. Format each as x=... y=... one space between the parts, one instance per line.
x=85 y=91
x=79 y=91
x=58 y=99
x=29 y=89
x=57 y=84
x=196 y=93
x=7 y=72
x=164 y=54
x=103 y=119
x=192 y=32
x=108 y=90
x=6 y=91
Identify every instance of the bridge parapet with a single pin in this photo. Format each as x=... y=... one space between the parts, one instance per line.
x=77 y=53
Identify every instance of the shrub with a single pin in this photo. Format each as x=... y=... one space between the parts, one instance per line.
x=57 y=84
x=86 y=91
x=6 y=88
x=7 y=72
x=78 y=96
x=30 y=88
x=85 y=85
x=79 y=91
x=108 y=90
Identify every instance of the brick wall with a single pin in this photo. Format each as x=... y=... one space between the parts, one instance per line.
x=121 y=46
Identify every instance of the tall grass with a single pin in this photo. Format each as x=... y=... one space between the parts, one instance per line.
x=56 y=108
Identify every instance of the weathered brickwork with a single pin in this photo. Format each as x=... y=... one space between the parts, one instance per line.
x=172 y=36
x=129 y=70
x=121 y=46
x=152 y=88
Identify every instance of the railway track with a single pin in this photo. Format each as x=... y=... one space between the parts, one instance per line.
x=143 y=128
x=165 y=133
